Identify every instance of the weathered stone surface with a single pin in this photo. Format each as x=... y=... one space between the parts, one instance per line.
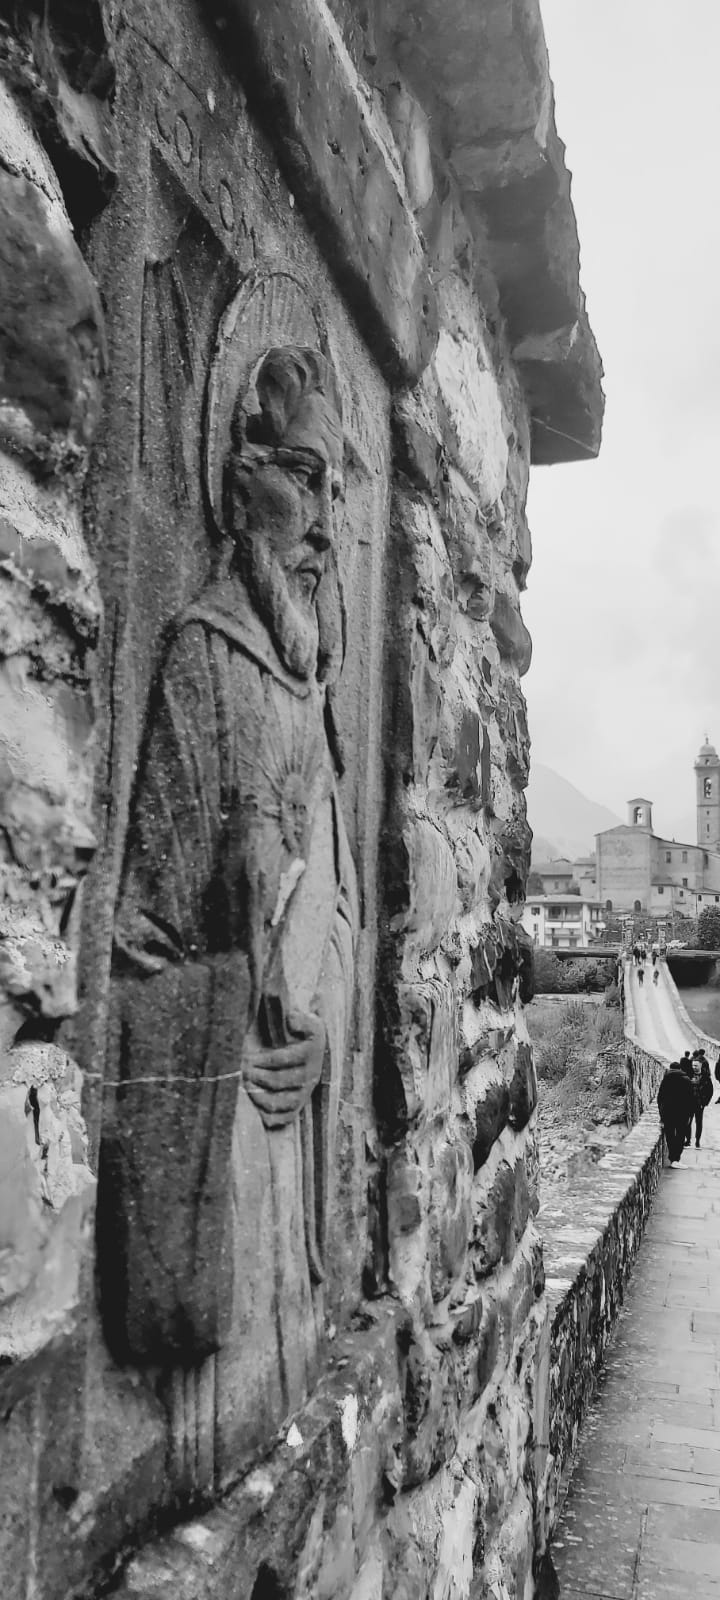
x=490 y=1117
x=513 y=639
x=476 y=433
x=450 y=1216
x=63 y=71
x=430 y=1400
x=523 y=1088
x=431 y=887
x=502 y=1219
x=484 y=70
x=338 y=161
x=51 y=342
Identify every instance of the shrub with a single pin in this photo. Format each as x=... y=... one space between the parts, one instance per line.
x=708 y=928
x=557 y=1055
x=547 y=972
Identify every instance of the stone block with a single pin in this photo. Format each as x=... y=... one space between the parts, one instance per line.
x=475 y=419
x=490 y=1117
x=417 y=441
x=501 y=1215
x=44 y=555
x=449 y=1215
x=523 y=1088
x=45 y=767
x=431 y=885
x=51 y=331
x=426 y=699
x=472 y=864
x=431 y=1414
x=411 y=130
x=513 y=639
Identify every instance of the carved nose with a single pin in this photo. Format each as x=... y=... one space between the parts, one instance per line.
x=322 y=532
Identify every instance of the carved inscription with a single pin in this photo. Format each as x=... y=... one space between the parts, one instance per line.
x=190 y=140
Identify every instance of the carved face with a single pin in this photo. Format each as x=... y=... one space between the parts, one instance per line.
x=289 y=506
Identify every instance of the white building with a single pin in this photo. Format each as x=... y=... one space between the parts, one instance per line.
x=563 y=921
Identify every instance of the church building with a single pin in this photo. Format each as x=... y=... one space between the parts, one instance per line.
x=639 y=871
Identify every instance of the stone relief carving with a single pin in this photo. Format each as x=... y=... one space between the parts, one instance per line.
x=233 y=969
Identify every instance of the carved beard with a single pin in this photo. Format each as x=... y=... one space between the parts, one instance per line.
x=293 y=629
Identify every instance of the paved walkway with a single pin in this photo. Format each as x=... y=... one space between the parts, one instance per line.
x=642 y=1520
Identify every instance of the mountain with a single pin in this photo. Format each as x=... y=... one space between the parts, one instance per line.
x=563 y=820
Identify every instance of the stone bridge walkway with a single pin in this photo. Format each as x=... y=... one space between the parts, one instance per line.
x=642 y=1519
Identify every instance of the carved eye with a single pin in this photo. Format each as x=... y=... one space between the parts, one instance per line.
x=307 y=477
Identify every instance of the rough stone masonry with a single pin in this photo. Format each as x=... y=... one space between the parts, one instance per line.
x=289 y=304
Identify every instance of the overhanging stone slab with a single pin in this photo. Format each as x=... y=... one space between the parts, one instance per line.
x=561 y=374
x=481 y=71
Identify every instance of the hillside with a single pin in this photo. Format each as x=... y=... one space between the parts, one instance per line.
x=563 y=820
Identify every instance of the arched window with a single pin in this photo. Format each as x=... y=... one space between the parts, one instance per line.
x=608 y=905
x=637 y=906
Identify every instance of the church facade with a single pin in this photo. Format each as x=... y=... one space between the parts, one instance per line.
x=637 y=870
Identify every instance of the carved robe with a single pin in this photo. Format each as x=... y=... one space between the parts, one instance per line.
x=212 y=1227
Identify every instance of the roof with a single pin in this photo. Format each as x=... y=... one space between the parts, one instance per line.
x=562 y=900
x=559 y=868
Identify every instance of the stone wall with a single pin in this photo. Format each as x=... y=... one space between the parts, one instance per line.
x=587 y=1268
x=347 y=1398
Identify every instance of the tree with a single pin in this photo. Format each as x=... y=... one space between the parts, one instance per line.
x=534 y=884
x=708 y=928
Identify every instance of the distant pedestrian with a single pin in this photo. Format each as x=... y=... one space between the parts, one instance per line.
x=717 y=1075
x=641 y=975
x=656 y=975
x=676 y=1106
x=703 y=1096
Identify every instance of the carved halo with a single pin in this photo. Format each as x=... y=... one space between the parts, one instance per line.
x=270 y=310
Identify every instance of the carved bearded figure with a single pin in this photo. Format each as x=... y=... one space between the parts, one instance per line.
x=234 y=952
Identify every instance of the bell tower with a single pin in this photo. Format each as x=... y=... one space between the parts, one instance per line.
x=640 y=812
x=707 y=781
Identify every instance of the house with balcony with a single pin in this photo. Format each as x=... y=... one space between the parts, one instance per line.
x=563 y=921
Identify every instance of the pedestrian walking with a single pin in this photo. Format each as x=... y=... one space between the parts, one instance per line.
x=656 y=975
x=717 y=1076
x=703 y=1096
x=676 y=1106
x=641 y=975
x=686 y=1066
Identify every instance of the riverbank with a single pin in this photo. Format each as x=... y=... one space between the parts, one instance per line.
x=581 y=1087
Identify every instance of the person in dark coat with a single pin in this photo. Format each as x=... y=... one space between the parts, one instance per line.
x=676 y=1106
x=687 y=1062
x=703 y=1096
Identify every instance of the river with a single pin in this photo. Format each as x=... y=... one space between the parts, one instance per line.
x=702 y=1003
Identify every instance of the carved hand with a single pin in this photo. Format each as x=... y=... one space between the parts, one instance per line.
x=280 y=1081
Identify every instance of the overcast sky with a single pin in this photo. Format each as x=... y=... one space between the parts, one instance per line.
x=623 y=597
